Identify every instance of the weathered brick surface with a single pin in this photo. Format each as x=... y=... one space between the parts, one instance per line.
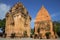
x=17 y=21
x=43 y=24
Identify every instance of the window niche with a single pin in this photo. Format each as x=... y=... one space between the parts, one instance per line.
x=12 y=23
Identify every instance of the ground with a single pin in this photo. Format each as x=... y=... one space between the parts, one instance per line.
x=26 y=39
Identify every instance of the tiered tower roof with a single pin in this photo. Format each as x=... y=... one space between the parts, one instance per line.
x=42 y=15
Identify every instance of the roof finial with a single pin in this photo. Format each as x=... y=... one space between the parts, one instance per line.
x=42 y=6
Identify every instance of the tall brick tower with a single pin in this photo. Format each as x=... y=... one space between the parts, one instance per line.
x=18 y=21
x=43 y=24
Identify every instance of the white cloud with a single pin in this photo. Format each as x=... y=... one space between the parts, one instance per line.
x=3 y=10
x=33 y=20
x=54 y=16
x=32 y=23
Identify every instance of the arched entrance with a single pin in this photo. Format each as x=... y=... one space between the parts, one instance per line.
x=47 y=35
x=12 y=35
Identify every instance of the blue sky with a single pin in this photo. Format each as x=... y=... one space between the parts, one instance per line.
x=33 y=6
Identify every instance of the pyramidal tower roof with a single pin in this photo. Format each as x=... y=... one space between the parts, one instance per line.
x=42 y=15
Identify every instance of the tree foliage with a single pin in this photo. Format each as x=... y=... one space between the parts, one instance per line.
x=56 y=27
x=2 y=23
x=32 y=31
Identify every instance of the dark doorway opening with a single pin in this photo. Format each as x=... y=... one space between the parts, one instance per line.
x=25 y=34
x=47 y=35
x=12 y=35
x=5 y=35
x=35 y=36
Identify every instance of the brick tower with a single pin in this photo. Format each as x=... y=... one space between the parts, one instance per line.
x=17 y=21
x=43 y=24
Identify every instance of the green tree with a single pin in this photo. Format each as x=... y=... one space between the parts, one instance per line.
x=32 y=31
x=56 y=28
x=2 y=23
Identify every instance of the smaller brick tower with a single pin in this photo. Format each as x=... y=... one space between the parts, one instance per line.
x=43 y=24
